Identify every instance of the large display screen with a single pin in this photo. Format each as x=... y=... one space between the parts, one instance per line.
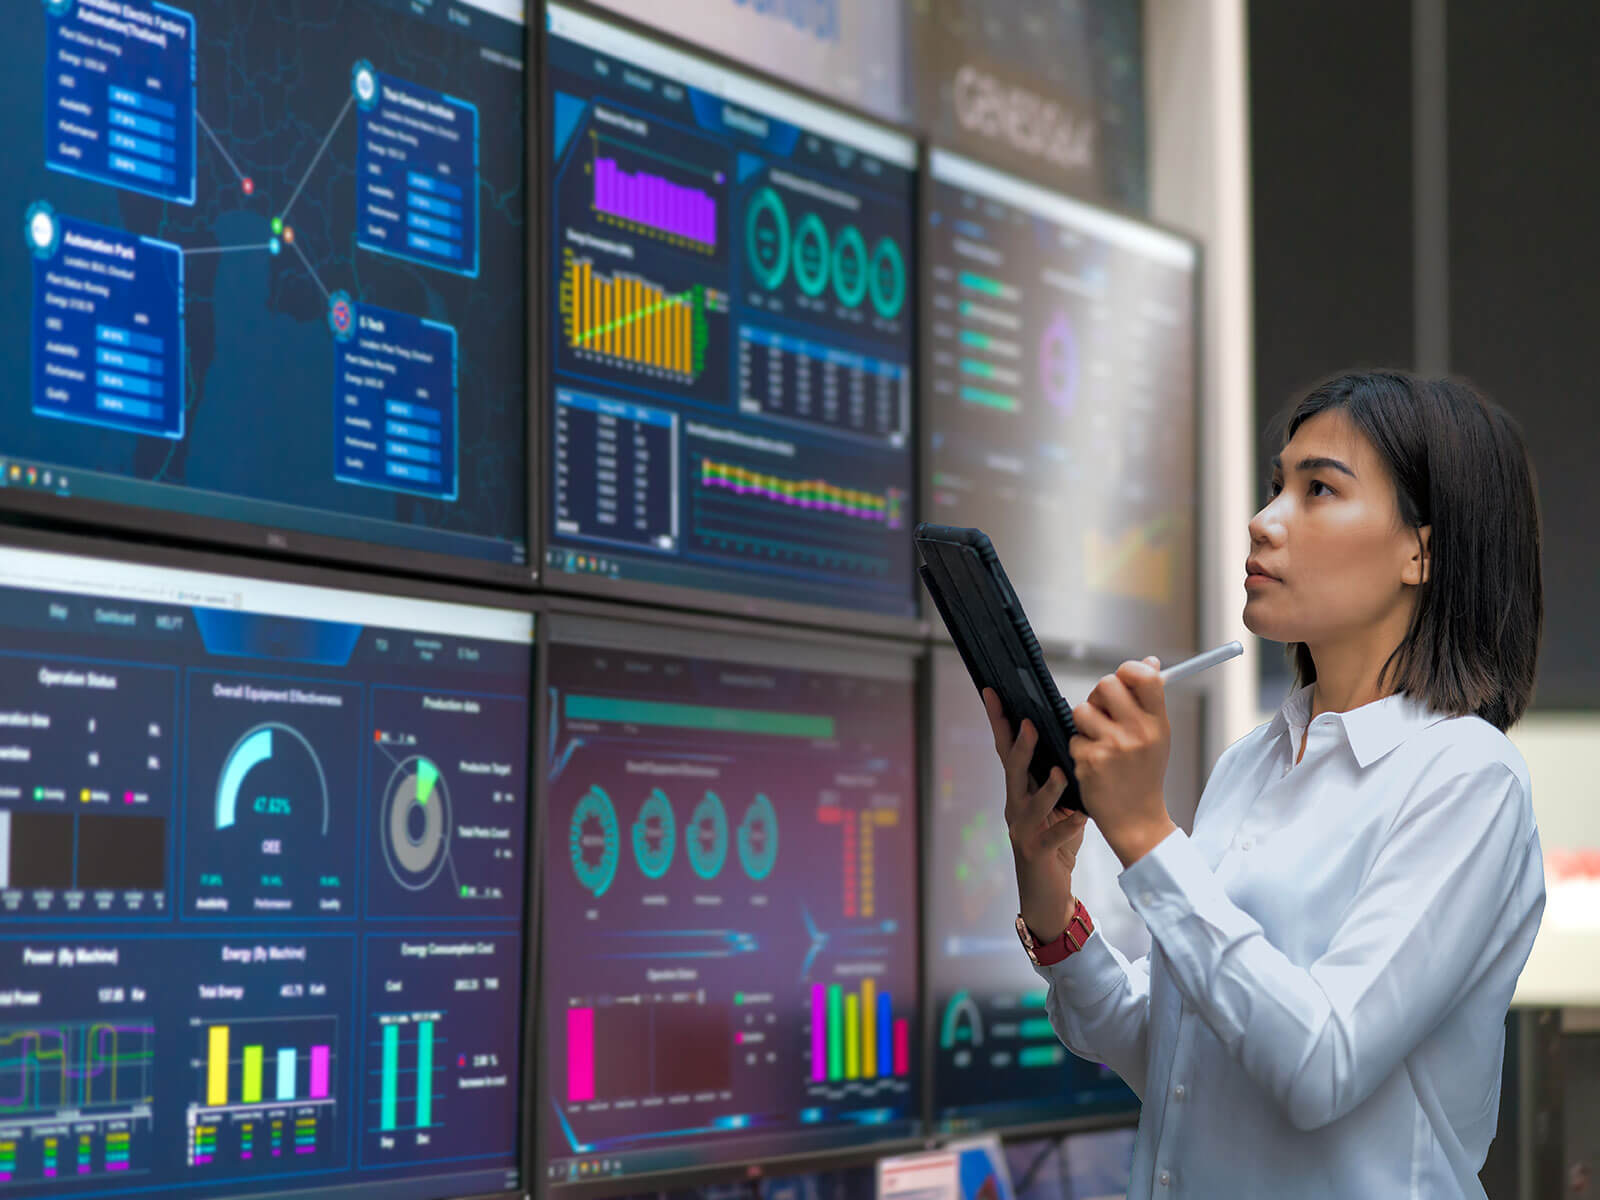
x=730 y=902
x=1061 y=384
x=996 y=1062
x=262 y=863
x=266 y=271
x=731 y=328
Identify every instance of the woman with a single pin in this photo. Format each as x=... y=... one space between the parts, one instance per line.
x=1335 y=946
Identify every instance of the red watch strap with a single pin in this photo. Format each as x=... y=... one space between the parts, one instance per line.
x=1072 y=938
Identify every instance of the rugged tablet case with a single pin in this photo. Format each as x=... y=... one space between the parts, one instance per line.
x=969 y=587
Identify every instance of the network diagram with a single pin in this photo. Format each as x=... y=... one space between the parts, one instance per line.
x=123 y=109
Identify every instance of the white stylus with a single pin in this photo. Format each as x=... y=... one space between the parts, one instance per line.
x=1200 y=662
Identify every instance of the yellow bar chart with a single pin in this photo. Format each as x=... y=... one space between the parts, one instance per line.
x=630 y=320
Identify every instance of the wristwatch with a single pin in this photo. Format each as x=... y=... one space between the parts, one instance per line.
x=1048 y=954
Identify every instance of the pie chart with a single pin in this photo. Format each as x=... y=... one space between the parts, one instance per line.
x=415 y=830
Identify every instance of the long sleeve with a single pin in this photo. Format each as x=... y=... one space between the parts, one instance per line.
x=1099 y=1006
x=1455 y=886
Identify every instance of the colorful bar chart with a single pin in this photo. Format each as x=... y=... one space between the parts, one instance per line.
x=236 y=1058
x=858 y=834
x=856 y=1036
x=655 y=203
x=580 y=1055
x=633 y=321
x=408 y=1061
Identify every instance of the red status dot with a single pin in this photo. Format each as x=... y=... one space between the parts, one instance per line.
x=462 y=1061
x=288 y=235
x=249 y=186
x=377 y=735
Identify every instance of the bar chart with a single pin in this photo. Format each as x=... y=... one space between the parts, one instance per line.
x=855 y=1035
x=633 y=323
x=661 y=196
x=858 y=833
x=265 y=1093
x=409 y=1049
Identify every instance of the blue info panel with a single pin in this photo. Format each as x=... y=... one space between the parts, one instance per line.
x=107 y=326
x=418 y=161
x=395 y=381
x=262 y=882
x=119 y=95
x=217 y=206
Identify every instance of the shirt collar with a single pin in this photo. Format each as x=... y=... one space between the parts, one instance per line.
x=1372 y=730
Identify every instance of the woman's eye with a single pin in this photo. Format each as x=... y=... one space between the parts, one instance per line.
x=1317 y=483
x=1274 y=487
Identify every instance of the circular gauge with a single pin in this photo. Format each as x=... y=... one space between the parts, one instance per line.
x=850 y=267
x=811 y=255
x=706 y=838
x=272 y=777
x=414 y=827
x=758 y=838
x=766 y=227
x=1058 y=364
x=593 y=841
x=888 y=279
x=655 y=835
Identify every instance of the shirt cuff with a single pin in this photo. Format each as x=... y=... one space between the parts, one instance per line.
x=1086 y=975
x=1174 y=881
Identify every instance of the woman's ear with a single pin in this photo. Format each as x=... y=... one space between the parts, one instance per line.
x=1417 y=567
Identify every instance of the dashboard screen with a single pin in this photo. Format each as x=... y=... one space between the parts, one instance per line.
x=730 y=902
x=268 y=269
x=262 y=863
x=997 y=1062
x=1060 y=352
x=731 y=331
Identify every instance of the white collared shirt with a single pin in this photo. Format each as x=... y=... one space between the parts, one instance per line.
x=1322 y=1013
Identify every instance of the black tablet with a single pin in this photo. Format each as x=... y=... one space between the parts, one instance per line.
x=969 y=587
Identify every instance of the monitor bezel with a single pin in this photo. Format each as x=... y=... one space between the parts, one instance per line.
x=1089 y=647
x=552 y=609
x=686 y=597
x=136 y=554
x=201 y=532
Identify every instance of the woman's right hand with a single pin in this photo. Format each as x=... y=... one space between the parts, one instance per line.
x=1044 y=842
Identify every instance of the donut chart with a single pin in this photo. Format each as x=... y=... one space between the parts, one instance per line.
x=888 y=278
x=707 y=837
x=850 y=267
x=593 y=841
x=655 y=835
x=758 y=838
x=415 y=823
x=811 y=255
x=766 y=227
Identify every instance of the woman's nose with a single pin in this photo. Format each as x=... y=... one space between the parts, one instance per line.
x=1266 y=527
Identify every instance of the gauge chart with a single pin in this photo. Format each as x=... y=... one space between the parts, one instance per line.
x=271 y=773
x=415 y=823
x=593 y=841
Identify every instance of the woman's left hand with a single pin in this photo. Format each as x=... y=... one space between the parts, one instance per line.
x=1120 y=757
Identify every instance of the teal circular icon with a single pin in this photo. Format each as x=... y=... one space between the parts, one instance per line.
x=758 y=838
x=888 y=278
x=811 y=255
x=655 y=835
x=364 y=85
x=593 y=842
x=850 y=267
x=42 y=228
x=766 y=228
x=58 y=8
x=706 y=838
x=341 y=315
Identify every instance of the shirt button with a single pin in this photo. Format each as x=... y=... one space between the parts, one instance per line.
x=1177 y=1092
x=1164 y=1179
x=1147 y=898
x=1247 y=844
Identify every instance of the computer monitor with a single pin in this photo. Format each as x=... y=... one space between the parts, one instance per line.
x=1061 y=378
x=997 y=1063
x=266 y=277
x=1093 y=1165
x=262 y=864
x=730 y=325
x=730 y=911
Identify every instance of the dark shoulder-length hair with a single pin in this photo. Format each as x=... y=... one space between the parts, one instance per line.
x=1459 y=465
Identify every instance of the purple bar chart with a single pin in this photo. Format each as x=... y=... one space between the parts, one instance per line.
x=655 y=202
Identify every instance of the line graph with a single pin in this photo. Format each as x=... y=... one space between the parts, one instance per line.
x=48 y=1067
x=815 y=494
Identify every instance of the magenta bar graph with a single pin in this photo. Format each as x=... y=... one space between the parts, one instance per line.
x=319 y=1072
x=655 y=202
x=819 y=1033
x=580 y=1055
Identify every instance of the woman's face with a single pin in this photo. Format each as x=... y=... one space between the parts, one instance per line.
x=1329 y=555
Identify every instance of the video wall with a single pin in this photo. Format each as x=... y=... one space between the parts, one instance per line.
x=349 y=339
